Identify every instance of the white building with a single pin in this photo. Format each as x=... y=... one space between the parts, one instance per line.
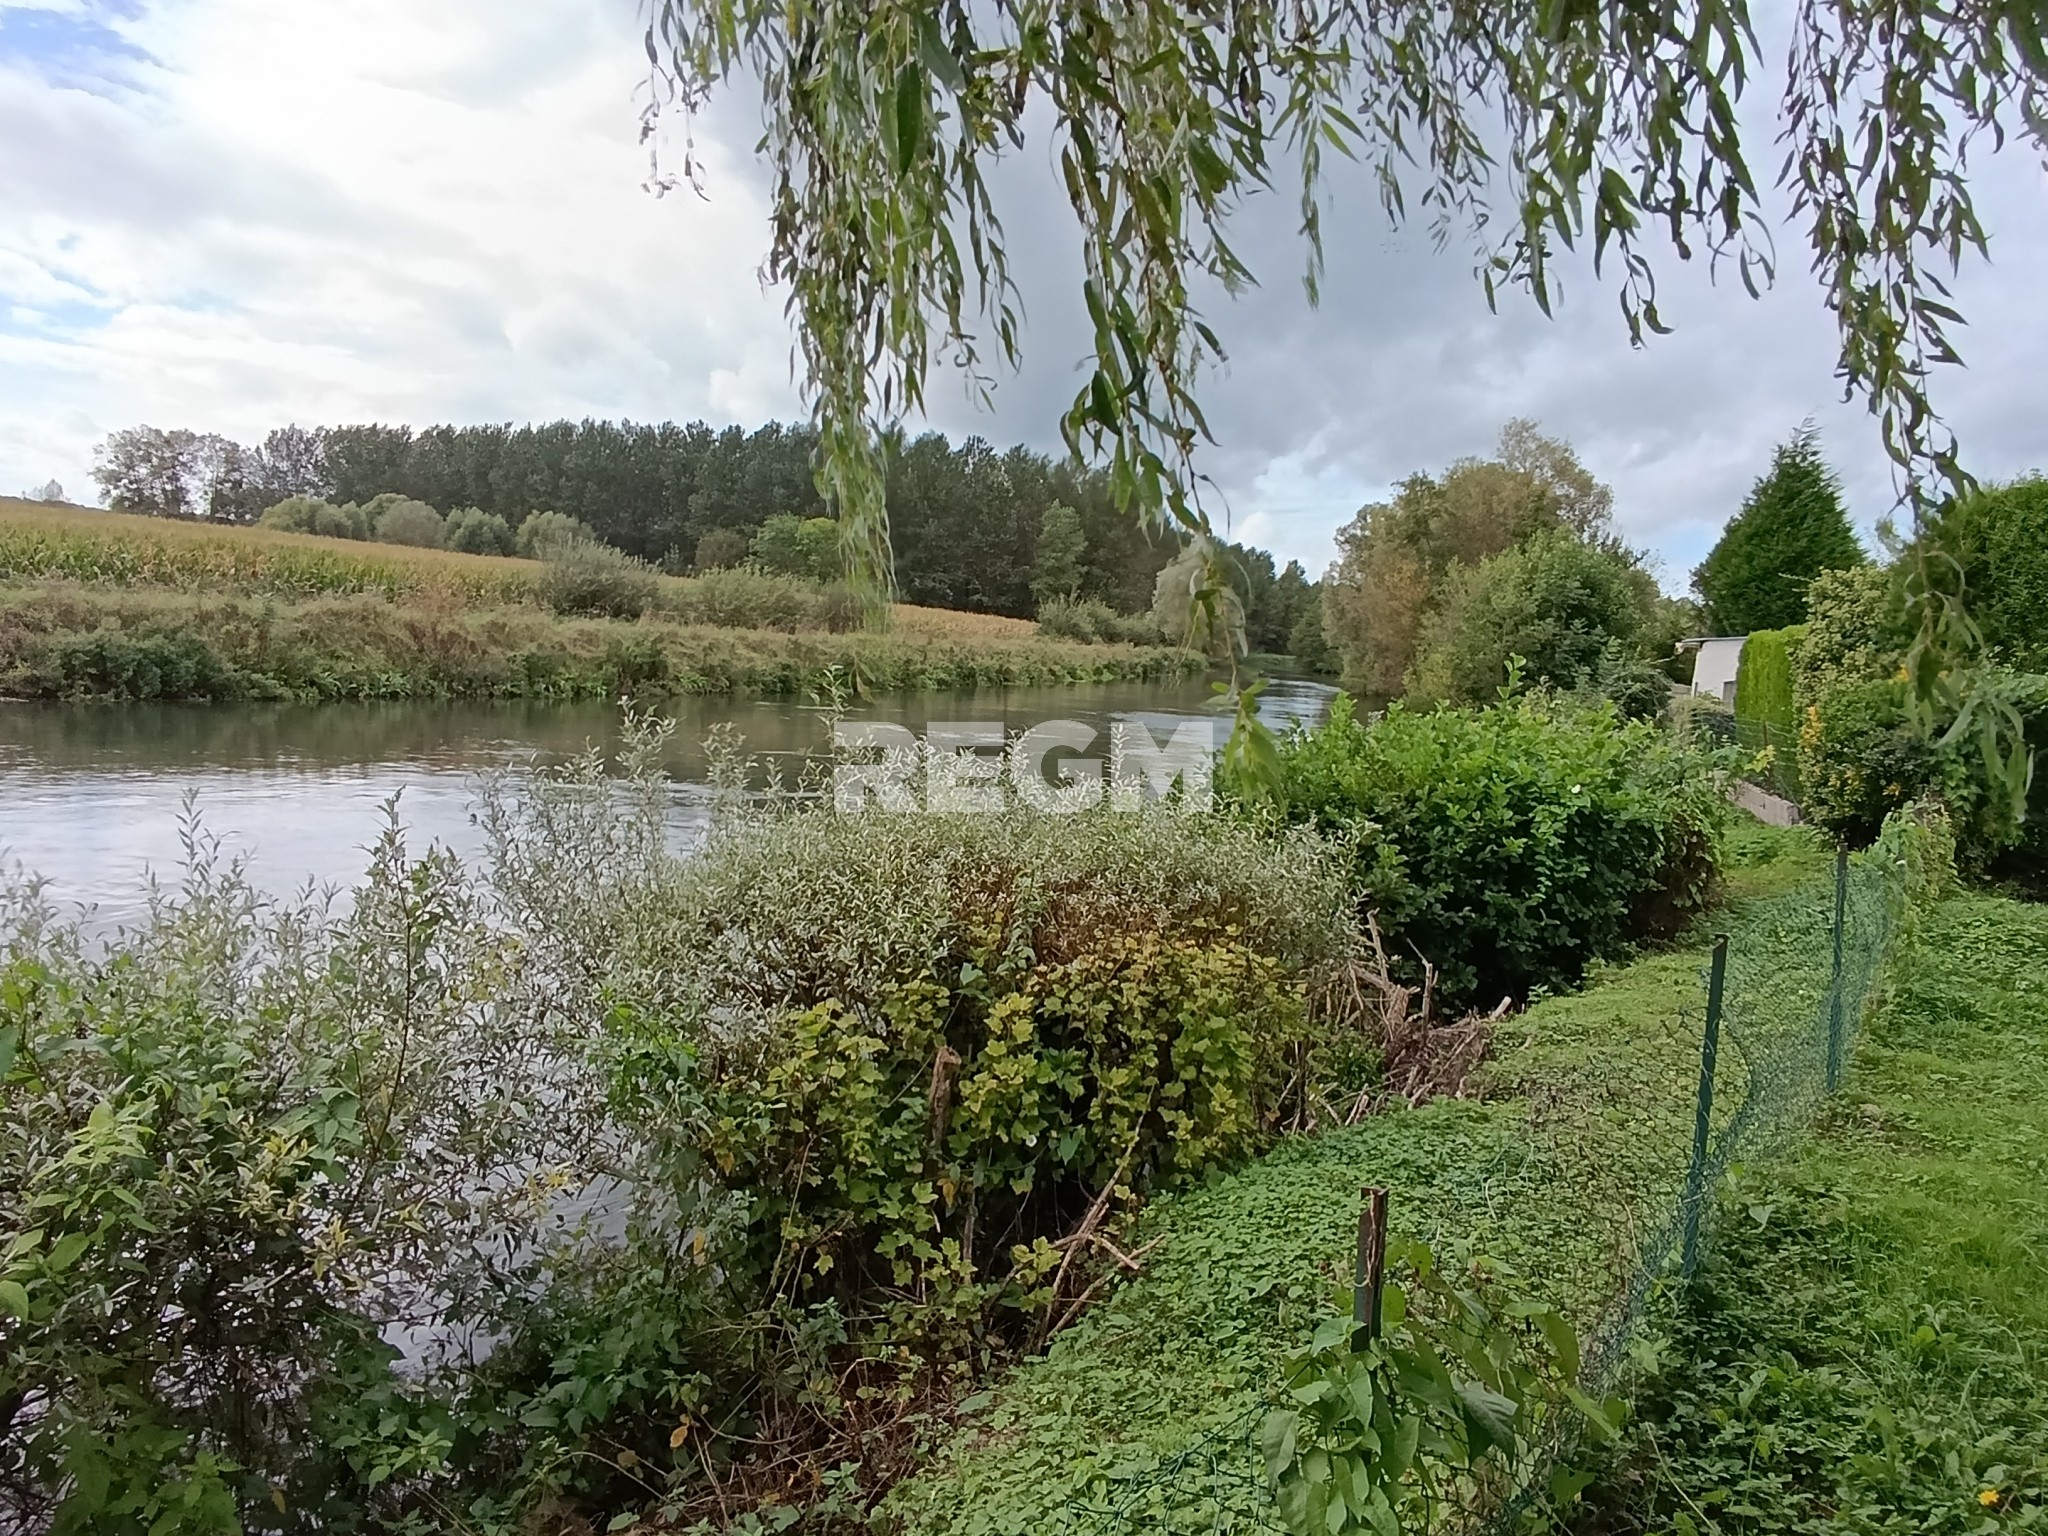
x=1713 y=673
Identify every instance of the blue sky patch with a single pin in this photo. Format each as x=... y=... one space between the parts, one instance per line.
x=76 y=48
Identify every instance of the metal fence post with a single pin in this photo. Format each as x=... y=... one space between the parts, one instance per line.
x=1703 y=1114
x=1835 y=1022
x=1371 y=1276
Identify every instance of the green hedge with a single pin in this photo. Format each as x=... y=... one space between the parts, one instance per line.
x=1763 y=683
x=1509 y=847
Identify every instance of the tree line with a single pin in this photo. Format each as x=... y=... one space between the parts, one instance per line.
x=967 y=518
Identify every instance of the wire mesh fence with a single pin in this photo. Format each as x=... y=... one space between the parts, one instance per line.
x=1770 y=751
x=1642 y=1143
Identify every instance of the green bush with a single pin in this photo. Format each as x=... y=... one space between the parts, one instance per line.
x=309 y=514
x=741 y=598
x=1998 y=539
x=122 y=664
x=806 y=547
x=599 y=581
x=1763 y=680
x=1509 y=847
x=475 y=532
x=734 y=1159
x=1569 y=610
x=403 y=521
x=720 y=549
x=1860 y=754
x=241 y=1145
x=545 y=532
x=1094 y=622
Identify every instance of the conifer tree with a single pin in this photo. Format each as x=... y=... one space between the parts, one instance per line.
x=1790 y=529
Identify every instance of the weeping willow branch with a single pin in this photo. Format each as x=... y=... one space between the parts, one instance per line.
x=1521 y=129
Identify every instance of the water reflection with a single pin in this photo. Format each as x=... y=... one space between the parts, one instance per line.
x=91 y=796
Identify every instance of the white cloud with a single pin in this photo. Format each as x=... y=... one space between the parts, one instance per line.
x=319 y=211
x=247 y=212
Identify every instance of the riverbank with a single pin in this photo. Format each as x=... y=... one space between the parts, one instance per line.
x=70 y=640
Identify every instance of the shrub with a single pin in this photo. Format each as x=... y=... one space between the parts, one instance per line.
x=1860 y=754
x=241 y=1146
x=1509 y=847
x=403 y=521
x=597 y=580
x=925 y=1048
x=475 y=532
x=1998 y=539
x=741 y=598
x=543 y=533
x=1094 y=622
x=721 y=548
x=1568 y=609
x=309 y=514
x=120 y=664
x=807 y=547
x=1763 y=680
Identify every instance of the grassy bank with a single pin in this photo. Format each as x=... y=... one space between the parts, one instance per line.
x=1868 y=1348
x=1138 y=1417
x=101 y=605
x=61 y=640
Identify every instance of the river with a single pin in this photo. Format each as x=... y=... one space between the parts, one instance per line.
x=93 y=796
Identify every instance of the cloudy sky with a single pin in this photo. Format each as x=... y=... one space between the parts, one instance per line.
x=230 y=214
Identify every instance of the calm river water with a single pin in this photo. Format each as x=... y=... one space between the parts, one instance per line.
x=92 y=797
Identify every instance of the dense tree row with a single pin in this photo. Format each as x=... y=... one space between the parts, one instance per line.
x=966 y=519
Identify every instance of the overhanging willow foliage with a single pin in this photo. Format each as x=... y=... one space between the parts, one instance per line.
x=1526 y=127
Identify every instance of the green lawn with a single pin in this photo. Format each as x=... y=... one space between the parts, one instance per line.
x=1867 y=1349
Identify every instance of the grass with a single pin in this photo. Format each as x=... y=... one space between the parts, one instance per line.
x=105 y=605
x=61 y=640
x=1867 y=1350
x=1135 y=1419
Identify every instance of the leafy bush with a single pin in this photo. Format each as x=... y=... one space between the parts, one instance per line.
x=1763 y=681
x=806 y=547
x=740 y=598
x=241 y=1148
x=1094 y=622
x=1998 y=539
x=1509 y=847
x=1573 y=612
x=661 y=1167
x=543 y=533
x=598 y=580
x=403 y=521
x=474 y=532
x=309 y=514
x=122 y=664
x=1860 y=754
x=720 y=549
